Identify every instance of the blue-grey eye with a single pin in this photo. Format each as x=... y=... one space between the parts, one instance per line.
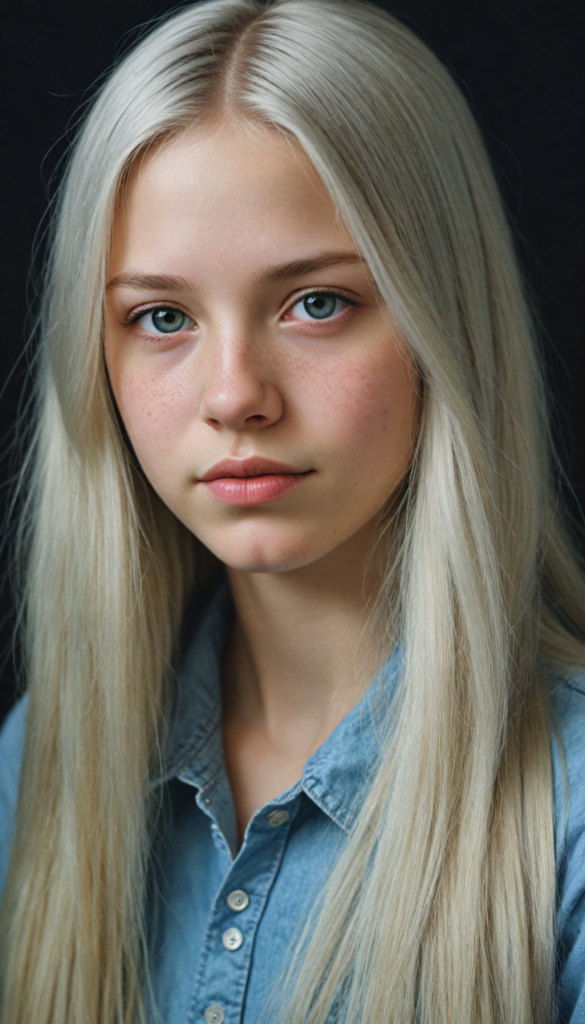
x=319 y=306
x=165 y=320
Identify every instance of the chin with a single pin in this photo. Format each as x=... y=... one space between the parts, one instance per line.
x=262 y=552
x=262 y=561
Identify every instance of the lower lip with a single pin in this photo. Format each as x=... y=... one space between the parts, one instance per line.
x=254 y=490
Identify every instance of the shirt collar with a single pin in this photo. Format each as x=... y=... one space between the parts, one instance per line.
x=335 y=777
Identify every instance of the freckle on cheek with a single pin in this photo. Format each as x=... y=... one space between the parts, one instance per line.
x=149 y=398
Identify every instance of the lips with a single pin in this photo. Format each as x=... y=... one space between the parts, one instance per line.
x=252 y=466
x=252 y=481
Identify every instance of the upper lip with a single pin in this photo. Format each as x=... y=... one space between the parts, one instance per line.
x=253 y=466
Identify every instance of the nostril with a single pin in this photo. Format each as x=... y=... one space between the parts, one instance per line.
x=244 y=404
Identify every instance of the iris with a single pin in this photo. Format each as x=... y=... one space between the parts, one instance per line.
x=168 y=320
x=320 y=306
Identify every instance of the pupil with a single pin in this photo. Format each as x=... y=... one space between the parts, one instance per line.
x=320 y=306
x=168 y=320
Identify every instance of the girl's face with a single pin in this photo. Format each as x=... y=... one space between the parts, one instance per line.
x=268 y=398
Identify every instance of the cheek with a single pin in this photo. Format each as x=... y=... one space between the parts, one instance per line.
x=155 y=408
x=369 y=409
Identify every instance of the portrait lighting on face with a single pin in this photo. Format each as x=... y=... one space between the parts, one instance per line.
x=267 y=396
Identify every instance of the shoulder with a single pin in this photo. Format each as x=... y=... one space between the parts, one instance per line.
x=567 y=697
x=12 y=736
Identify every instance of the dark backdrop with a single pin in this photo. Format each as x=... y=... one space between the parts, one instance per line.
x=520 y=64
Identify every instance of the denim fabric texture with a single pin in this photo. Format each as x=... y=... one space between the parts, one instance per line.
x=224 y=920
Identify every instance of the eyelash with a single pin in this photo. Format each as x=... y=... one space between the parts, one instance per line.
x=135 y=317
x=323 y=291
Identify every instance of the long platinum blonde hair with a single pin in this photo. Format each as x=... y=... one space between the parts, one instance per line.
x=443 y=905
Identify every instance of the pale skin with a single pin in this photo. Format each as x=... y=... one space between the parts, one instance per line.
x=238 y=229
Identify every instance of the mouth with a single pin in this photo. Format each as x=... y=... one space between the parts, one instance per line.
x=252 y=481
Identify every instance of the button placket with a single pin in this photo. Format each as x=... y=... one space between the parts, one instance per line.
x=224 y=974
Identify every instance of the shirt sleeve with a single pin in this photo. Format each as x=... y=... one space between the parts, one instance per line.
x=12 y=737
x=569 y=797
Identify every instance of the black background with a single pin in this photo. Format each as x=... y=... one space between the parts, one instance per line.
x=520 y=64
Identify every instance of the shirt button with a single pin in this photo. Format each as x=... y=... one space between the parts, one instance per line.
x=238 y=900
x=214 y=1015
x=232 y=939
x=277 y=818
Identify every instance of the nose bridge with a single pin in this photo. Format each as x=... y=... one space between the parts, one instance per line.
x=235 y=357
x=237 y=349
x=239 y=386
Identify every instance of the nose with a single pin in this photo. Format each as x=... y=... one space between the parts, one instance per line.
x=239 y=392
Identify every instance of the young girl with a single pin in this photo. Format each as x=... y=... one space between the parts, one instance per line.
x=303 y=740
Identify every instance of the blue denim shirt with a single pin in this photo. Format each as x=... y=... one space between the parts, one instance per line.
x=225 y=919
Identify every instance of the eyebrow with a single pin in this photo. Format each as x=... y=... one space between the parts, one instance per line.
x=150 y=282
x=298 y=268
x=280 y=272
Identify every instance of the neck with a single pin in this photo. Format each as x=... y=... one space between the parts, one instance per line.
x=303 y=650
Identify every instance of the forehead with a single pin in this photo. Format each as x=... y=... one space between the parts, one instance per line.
x=220 y=196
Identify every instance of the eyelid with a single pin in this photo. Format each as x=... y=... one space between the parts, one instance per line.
x=136 y=313
x=338 y=293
